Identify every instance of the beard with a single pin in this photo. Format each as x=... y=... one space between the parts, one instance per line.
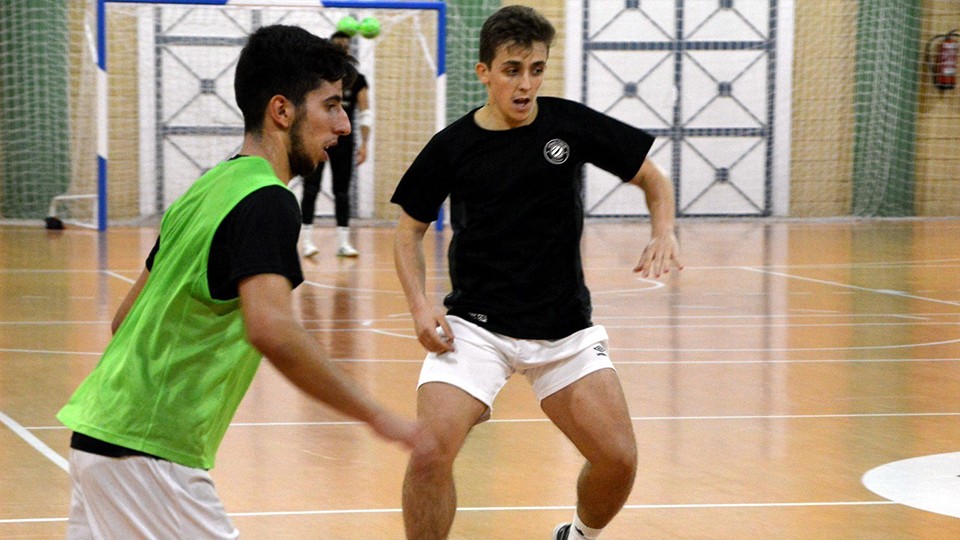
x=300 y=162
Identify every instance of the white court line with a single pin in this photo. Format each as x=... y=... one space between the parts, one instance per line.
x=111 y=273
x=745 y=417
x=911 y=324
x=354 y=511
x=30 y=439
x=50 y=323
x=366 y=325
x=633 y=418
x=366 y=322
x=354 y=289
x=782 y=316
x=391 y=334
x=785 y=349
x=671 y=363
x=888 y=292
x=40 y=351
x=571 y=507
x=667 y=363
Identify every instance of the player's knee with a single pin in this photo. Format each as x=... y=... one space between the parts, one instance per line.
x=437 y=458
x=622 y=454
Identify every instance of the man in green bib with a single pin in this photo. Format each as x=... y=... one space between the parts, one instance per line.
x=214 y=298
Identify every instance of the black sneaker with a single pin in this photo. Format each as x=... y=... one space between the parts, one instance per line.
x=562 y=532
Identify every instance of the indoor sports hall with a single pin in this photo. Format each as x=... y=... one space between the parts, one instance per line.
x=799 y=378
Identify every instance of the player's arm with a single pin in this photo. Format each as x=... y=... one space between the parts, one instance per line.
x=128 y=301
x=365 y=121
x=411 y=269
x=273 y=329
x=663 y=251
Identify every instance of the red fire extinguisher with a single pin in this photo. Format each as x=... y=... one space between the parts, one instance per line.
x=943 y=65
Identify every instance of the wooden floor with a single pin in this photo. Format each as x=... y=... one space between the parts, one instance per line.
x=786 y=361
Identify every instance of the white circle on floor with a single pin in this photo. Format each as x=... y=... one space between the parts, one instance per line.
x=930 y=483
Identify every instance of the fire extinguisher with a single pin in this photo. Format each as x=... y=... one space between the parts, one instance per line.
x=943 y=65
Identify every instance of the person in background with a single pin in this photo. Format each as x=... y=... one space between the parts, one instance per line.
x=356 y=101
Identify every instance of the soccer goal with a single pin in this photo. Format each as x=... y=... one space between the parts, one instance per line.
x=150 y=104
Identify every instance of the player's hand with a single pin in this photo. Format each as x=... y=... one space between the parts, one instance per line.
x=361 y=154
x=408 y=433
x=434 y=333
x=660 y=254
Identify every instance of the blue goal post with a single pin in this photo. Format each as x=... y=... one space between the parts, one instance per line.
x=101 y=81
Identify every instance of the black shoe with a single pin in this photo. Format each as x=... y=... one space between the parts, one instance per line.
x=562 y=532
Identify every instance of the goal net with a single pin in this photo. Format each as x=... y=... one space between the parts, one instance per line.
x=818 y=108
x=824 y=108
x=872 y=135
x=169 y=107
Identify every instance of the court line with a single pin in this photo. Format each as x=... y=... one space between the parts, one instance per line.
x=366 y=322
x=33 y=441
x=808 y=361
x=38 y=351
x=783 y=315
x=698 y=418
x=888 y=292
x=354 y=511
x=786 y=349
x=419 y=360
x=911 y=324
x=571 y=507
x=442 y=272
x=111 y=273
x=635 y=419
x=352 y=289
x=393 y=331
x=57 y=459
x=364 y=327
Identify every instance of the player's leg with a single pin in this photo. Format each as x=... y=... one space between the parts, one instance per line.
x=456 y=391
x=592 y=412
x=308 y=204
x=580 y=392
x=429 y=493
x=341 y=164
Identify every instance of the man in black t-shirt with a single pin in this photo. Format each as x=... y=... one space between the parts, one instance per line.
x=356 y=102
x=519 y=303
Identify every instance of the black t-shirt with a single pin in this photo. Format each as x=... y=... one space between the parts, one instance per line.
x=259 y=236
x=516 y=210
x=350 y=94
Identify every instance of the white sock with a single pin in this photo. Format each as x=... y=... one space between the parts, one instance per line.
x=582 y=531
x=343 y=236
x=306 y=231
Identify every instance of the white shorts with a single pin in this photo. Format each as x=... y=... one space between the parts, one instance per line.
x=484 y=360
x=143 y=497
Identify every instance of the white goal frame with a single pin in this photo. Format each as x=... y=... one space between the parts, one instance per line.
x=102 y=90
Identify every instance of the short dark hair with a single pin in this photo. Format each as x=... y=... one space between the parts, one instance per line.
x=513 y=25
x=287 y=61
x=340 y=34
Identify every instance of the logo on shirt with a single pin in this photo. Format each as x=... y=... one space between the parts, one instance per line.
x=479 y=317
x=601 y=350
x=556 y=151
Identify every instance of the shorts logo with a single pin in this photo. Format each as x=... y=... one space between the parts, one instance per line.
x=479 y=317
x=601 y=350
x=556 y=151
